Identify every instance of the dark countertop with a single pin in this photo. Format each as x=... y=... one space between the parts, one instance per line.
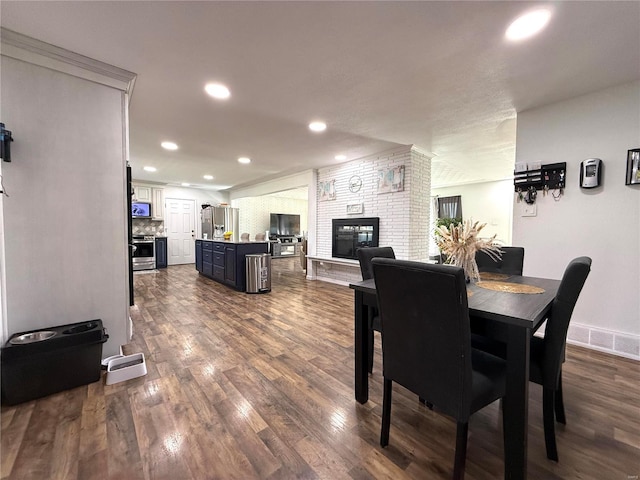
x=229 y=241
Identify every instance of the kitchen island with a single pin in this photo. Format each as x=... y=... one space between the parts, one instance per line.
x=224 y=261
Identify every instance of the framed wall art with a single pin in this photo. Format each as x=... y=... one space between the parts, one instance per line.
x=326 y=190
x=633 y=167
x=355 y=209
x=391 y=180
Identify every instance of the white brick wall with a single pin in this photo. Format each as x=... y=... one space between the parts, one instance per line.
x=404 y=216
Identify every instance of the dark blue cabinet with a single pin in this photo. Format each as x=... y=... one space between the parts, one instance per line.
x=161 y=252
x=225 y=261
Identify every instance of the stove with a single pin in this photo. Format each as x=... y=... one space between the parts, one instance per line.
x=144 y=255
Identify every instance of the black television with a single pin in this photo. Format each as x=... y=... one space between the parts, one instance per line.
x=284 y=224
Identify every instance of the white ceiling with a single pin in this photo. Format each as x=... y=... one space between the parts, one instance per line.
x=438 y=75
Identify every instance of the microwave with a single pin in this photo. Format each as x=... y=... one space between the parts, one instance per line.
x=140 y=210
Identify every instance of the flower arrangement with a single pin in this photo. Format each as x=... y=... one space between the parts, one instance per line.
x=460 y=242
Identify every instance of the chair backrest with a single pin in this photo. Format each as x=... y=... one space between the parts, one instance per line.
x=260 y=237
x=366 y=254
x=425 y=331
x=244 y=237
x=555 y=334
x=511 y=262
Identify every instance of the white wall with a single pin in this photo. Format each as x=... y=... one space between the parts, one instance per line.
x=255 y=212
x=64 y=222
x=488 y=202
x=602 y=223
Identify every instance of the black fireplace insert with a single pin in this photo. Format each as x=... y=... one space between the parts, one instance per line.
x=349 y=234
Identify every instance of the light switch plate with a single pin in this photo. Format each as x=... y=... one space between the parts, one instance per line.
x=529 y=210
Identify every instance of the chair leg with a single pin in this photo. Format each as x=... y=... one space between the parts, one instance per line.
x=386 y=413
x=559 y=403
x=549 y=423
x=370 y=359
x=461 y=450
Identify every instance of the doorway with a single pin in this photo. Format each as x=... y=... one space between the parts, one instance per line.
x=180 y=225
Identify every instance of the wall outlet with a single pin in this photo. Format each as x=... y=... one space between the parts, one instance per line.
x=529 y=210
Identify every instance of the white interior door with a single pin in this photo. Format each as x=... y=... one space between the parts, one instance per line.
x=180 y=217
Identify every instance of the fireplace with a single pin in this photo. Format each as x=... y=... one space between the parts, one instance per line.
x=349 y=234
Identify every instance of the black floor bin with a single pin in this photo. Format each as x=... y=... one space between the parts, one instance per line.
x=41 y=362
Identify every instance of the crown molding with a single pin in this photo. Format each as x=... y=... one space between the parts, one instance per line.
x=21 y=47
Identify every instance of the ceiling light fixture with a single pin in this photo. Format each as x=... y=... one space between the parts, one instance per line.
x=340 y=157
x=217 y=90
x=528 y=25
x=169 y=146
x=208 y=177
x=317 y=126
x=150 y=169
x=244 y=160
x=185 y=184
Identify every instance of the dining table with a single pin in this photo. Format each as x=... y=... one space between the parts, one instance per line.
x=516 y=316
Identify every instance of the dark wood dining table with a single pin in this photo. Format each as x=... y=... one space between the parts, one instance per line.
x=517 y=316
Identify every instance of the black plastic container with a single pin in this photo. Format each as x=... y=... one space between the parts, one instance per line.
x=69 y=356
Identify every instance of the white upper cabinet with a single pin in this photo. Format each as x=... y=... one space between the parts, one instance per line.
x=158 y=203
x=142 y=193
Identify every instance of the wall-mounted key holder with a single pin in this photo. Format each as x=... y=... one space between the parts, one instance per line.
x=553 y=175
x=550 y=176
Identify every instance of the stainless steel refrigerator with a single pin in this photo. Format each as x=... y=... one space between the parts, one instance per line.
x=217 y=220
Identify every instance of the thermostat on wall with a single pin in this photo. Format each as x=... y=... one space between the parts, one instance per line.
x=591 y=173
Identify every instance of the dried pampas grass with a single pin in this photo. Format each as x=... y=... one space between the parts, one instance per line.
x=461 y=242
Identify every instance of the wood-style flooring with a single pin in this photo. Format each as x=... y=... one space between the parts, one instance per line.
x=261 y=387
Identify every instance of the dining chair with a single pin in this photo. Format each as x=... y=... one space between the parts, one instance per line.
x=548 y=353
x=510 y=263
x=365 y=255
x=426 y=345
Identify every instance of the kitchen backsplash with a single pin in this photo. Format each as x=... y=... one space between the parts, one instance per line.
x=145 y=226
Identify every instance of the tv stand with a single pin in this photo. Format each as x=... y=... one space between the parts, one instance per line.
x=285 y=249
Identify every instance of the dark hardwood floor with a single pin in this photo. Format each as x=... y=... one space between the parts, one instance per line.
x=261 y=387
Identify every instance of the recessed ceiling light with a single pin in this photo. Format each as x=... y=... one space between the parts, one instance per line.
x=317 y=126
x=340 y=157
x=244 y=160
x=185 y=184
x=208 y=177
x=217 y=90
x=528 y=25
x=150 y=169
x=169 y=146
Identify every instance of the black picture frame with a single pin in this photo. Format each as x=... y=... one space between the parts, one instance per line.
x=633 y=167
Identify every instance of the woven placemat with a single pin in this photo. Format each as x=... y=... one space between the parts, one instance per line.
x=510 y=287
x=493 y=276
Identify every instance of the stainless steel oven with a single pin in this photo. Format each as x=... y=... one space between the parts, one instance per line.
x=144 y=255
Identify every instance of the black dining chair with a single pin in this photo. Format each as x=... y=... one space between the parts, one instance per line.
x=365 y=255
x=426 y=345
x=548 y=353
x=510 y=263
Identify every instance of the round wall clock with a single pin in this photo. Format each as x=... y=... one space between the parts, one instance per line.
x=355 y=183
